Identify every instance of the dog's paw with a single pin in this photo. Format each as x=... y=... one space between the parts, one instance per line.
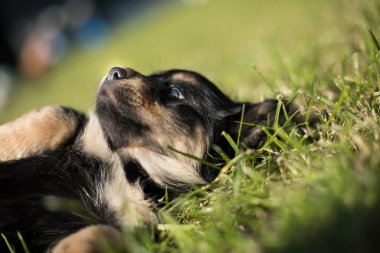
x=92 y=239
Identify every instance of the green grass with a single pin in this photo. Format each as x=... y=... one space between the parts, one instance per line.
x=314 y=187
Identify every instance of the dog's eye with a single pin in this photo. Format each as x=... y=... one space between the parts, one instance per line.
x=174 y=92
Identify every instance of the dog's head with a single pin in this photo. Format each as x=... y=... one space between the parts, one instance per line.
x=146 y=118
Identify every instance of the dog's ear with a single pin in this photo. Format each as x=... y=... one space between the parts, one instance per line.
x=257 y=116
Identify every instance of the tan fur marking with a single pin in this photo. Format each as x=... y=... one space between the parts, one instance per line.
x=93 y=140
x=185 y=77
x=164 y=169
x=128 y=201
x=34 y=132
x=136 y=82
x=92 y=239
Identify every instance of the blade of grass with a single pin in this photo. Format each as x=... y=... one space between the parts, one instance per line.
x=222 y=154
x=375 y=42
x=23 y=243
x=277 y=131
x=228 y=165
x=291 y=100
x=326 y=101
x=231 y=142
x=273 y=139
x=194 y=158
x=240 y=126
x=10 y=248
x=337 y=107
x=277 y=117
x=166 y=197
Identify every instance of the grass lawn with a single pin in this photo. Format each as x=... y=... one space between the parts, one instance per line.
x=317 y=189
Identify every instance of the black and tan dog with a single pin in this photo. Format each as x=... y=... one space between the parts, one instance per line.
x=112 y=167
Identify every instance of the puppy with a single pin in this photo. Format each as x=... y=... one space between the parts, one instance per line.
x=63 y=173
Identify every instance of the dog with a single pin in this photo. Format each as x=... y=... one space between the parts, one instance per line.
x=67 y=180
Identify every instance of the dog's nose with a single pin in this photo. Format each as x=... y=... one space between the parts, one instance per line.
x=117 y=73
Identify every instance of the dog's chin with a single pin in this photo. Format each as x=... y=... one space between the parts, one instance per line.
x=121 y=129
x=106 y=95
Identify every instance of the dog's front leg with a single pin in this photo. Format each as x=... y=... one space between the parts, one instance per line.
x=40 y=130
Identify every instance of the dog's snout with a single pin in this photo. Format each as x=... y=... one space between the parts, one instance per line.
x=117 y=73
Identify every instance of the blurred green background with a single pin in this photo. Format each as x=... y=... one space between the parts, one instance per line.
x=243 y=46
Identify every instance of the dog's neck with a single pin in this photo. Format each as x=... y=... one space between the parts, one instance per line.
x=126 y=199
x=93 y=140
